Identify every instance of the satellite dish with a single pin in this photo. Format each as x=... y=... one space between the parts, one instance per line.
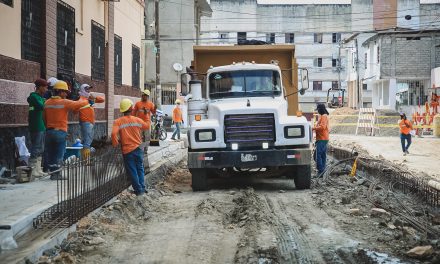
x=177 y=67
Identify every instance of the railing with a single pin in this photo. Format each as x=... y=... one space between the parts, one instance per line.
x=86 y=185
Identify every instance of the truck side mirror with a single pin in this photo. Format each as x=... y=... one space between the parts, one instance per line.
x=304 y=80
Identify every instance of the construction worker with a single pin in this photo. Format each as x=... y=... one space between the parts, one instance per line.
x=87 y=118
x=36 y=126
x=143 y=109
x=405 y=133
x=322 y=137
x=55 y=117
x=127 y=131
x=177 y=120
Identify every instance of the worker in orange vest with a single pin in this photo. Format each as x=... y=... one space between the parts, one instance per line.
x=87 y=118
x=405 y=133
x=127 y=131
x=177 y=120
x=322 y=137
x=55 y=113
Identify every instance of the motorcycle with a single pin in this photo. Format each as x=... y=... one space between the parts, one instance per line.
x=157 y=129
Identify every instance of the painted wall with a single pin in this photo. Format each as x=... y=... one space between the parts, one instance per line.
x=129 y=25
x=11 y=41
x=92 y=10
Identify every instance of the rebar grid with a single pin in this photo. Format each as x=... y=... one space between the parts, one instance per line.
x=86 y=185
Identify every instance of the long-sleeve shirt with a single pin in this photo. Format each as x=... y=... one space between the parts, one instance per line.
x=143 y=110
x=177 y=115
x=127 y=132
x=36 y=107
x=322 y=128
x=56 y=110
x=405 y=126
x=87 y=112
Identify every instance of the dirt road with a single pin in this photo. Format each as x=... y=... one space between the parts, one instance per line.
x=248 y=221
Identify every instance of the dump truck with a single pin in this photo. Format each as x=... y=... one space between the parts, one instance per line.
x=243 y=114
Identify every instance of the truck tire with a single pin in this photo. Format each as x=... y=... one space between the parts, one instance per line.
x=303 y=177
x=199 y=179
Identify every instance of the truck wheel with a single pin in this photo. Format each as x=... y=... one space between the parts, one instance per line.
x=303 y=177
x=199 y=179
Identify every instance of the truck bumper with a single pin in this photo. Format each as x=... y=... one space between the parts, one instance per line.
x=249 y=159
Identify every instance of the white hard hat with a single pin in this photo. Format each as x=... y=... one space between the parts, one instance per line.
x=51 y=81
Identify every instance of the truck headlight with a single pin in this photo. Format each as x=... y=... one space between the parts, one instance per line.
x=205 y=135
x=294 y=131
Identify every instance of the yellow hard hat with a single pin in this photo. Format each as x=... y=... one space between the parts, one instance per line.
x=178 y=101
x=146 y=92
x=125 y=105
x=61 y=85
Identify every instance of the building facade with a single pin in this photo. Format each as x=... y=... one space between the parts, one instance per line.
x=79 y=41
x=179 y=31
x=399 y=66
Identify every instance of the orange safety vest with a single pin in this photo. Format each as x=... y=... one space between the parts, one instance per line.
x=87 y=112
x=56 y=110
x=127 y=131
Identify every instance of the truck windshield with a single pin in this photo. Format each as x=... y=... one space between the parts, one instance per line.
x=244 y=83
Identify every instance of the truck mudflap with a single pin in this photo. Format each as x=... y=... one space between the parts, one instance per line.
x=249 y=158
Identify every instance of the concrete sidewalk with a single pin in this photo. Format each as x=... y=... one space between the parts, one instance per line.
x=424 y=152
x=21 y=203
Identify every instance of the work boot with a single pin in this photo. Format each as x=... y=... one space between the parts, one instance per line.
x=85 y=154
x=36 y=170
x=39 y=169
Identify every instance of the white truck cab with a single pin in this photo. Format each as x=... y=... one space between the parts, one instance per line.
x=240 y=122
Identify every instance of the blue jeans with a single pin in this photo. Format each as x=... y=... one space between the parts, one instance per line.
x=404 y=138
x=86 y=134
x=55 y=146
x=134 y=165
x=176 y=131
x=321 y=155
x=37 y=141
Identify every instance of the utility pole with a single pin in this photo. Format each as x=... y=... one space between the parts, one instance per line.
x=358 y=86
x=339 y=64
x=157 y=45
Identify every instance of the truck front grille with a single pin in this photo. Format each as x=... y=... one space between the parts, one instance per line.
x=250 y=130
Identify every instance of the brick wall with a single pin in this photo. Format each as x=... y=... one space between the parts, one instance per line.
x=413 y=57
x=109 y=63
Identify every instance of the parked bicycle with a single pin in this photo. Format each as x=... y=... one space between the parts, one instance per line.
x=157 y=129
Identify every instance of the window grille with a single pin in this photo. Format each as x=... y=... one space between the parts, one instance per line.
x=98 y=50
x=317 y=85
x=335 y=85
x=290 y=38
x=169 y=94
x=241 y=37
x=317 y=37
x=32 y=30
x=334 y=63
x=65 y=40
x=118 y=60
x=270 y=38
x=317 y=62
x=135 y=66
x=336 y=37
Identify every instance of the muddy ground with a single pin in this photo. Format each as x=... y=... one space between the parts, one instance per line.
x=252 y=221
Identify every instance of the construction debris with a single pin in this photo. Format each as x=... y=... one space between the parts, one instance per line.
x=421 y=252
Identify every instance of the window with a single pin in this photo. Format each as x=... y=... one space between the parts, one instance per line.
x=335 y=85
x=378 y=55
x=7 y=2
x=270 y=38
x=334 y=62
x=241 y=37
x=135 y=66
x=317 y=37
x=317 y=86
x=32 y=30
x=98 y=42
x=290 y=37
x=364 y=86
x=223 y=36
x=336 y=37
x=65 y=41
x=413 y=38
x=317 y=62
x=118 y=60
x=366 y=61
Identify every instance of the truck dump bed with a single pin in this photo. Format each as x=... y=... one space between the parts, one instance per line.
x=206 y=56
